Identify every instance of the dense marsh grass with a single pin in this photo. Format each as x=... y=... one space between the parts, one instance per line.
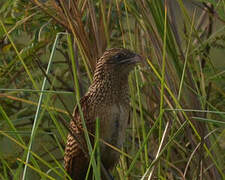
x=48 y=51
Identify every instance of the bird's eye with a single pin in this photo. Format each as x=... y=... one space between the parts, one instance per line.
x=119 y=56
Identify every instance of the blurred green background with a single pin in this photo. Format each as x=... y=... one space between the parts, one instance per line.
x=177 y=97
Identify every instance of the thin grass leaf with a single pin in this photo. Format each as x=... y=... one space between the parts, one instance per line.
x=34 y=127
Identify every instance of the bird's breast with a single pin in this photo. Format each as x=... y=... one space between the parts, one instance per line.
x=113 y=124
x=116 y=123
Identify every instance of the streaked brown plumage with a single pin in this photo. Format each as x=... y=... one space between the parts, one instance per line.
x=108 y=99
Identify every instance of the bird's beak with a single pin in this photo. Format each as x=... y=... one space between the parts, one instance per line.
x=136 y=59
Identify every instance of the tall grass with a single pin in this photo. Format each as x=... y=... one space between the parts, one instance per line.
x=177 y=97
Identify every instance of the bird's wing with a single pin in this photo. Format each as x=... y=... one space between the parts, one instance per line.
x=75 y=161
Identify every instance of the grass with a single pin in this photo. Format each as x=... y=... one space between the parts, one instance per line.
x=177 y=98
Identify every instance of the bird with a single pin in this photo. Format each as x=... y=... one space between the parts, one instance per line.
x=107 y=99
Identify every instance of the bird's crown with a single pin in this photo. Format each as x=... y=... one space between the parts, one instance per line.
x=117 y=56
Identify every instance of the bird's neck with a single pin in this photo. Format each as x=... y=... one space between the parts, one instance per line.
x=110 y=88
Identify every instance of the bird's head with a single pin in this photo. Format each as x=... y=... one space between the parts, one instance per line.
x=118 y=60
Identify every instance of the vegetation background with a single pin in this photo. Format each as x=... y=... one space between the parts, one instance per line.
x=48 y=50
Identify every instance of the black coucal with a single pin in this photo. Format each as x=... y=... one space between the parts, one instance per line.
x=108 y=100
